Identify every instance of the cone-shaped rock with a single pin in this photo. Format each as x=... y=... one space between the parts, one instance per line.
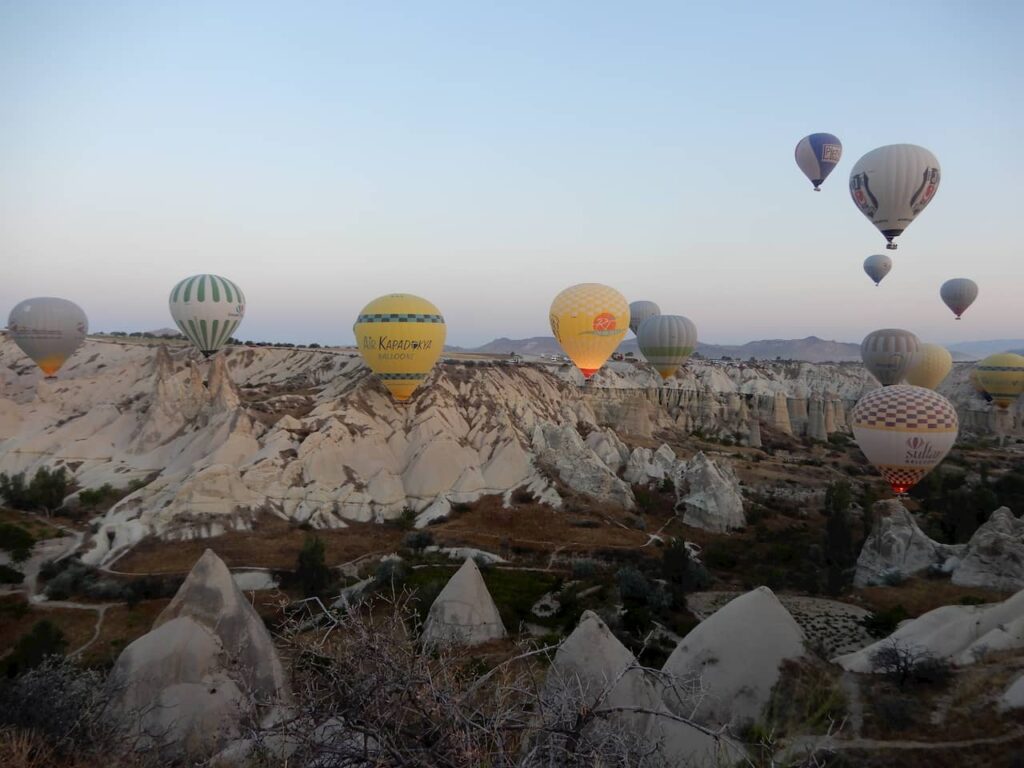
x=737 y=652
x=464 y=613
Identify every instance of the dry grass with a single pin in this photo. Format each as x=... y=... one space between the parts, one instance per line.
x=34 y=525
x=919 y=595
x=122 y=625
x=17 y=619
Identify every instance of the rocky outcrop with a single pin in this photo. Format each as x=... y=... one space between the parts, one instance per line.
x=464 y=613
x=963 y=634
x=645 y=466
x=737 y=653
x=561 y=448
x=897 y=547
x=207 y=667
x=994 y=556
x=708 y=495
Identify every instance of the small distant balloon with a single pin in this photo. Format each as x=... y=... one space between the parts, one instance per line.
x=1002 y=378
x=640 y=311
x=817 y=155
x=891 y=185
x=667 y=341
x=877 y=267
x=929 y=366
x=48 y=330
x=887 y=354
x=401 y=337
x=958 y=294
x=904 y=431
x=589 y=320
x=208 y=309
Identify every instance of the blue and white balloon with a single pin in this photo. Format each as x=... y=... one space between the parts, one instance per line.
x=817 y=155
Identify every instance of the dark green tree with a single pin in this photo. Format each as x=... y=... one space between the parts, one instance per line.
x=312 y=572
x=44 y=639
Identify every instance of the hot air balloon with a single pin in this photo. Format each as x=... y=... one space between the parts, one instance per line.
x=666 y=341
x=208 y=309
x=929 y=366
x=640 y=311
x=817 y=155
x=904 y=431
x=887 y=353
x=972 y=377
x=958 y=294
x=48 y=330
x=589 y=320
x=891 y=185
x=1002 y=377
x=400 y=336
x=877 y=267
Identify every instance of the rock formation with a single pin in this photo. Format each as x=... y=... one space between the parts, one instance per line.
x=961 y=633
x=708 y=495
x=737 y=652
x=994 y=556
x=576 y=465
x=206 y=668
x=897 y=546
x=464 y=613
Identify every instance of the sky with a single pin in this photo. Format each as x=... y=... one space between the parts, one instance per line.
x=486 y=155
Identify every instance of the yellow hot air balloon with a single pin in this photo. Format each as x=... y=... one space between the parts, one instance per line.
x=400 y=336
x=1002 y=377
x=929 y=366
x=589 y=320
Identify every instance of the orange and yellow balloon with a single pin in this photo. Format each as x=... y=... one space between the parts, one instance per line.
x=400 y=336
x=1002 y=377
x=930 y=364
x=589 y=320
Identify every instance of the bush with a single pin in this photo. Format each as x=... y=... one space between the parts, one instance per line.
x=884 y=623
x=10 y=575
x=418 y=540
x=391 y=573
x=43 y=640
x=16 y=540
x=311 y=572
x=90 y=498
x=897 y=712
x=681 y=570
x=46 y=491
x=905 y=663
x=584 y=568
x=633 y=585
x=522 y=496
x=893 y=578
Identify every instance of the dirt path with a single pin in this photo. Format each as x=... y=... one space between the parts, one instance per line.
x=850 y=686
x=806 y=744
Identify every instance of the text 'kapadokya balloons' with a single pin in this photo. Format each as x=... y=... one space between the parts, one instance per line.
x=589 y=320
x=400 y=336
x=904 y=431
x=877 y=267
x=208 y=309
x=1002 y=377
x=929 y=366
x=958 y=294
x=887 y=353
x=48 y=330
x=891 y=185
x=817 y=155
x=640 y=311
x=666 y=341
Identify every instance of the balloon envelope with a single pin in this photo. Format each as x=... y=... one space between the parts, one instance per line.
x=640 y=311
x=958 y=294
x=817 y=155
x=877 y=267
x=904 y=431
x=891 y=185
x=666 y=341
x=929 y=366
x=1002 y=377
x=48 y=330
x=887 y=353
x=589 y=320
x=208 y=309
x=400 y=336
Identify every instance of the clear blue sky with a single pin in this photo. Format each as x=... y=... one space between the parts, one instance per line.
x=486 y=155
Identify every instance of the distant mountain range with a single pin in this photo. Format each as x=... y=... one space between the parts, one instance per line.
x=811 y=349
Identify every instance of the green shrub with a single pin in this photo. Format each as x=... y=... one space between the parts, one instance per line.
x=16 y=540
x=584 y=568
x=311 y=572
x=45 y=492
x=10 y=575
x=44 y=639
x=883 y=623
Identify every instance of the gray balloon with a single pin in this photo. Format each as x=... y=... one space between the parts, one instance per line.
x=887 y=354
x=958 y=294
x=48 y=330
x=666 y=341
x=640 y=311
x=877 y=267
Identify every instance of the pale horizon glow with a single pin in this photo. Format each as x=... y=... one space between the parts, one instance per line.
x=323 y=154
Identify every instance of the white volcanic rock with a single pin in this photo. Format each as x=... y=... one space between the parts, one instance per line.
x=708 y=495
x=562 y=448
x=994 y=557
x=737 y=652
x=464 y=613
x=608 y=447
x=896 y=545
x=960 y=633
x=207 y=666
x=1013 y=697
x=645 y=466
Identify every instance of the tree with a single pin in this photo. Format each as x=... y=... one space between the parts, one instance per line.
x=45 y=492
x=312 y=572
x=906 y=663
x=43 y=640
x=839 y=556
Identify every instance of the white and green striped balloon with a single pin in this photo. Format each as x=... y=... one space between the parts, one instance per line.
x=208 y=309
x=666 y=341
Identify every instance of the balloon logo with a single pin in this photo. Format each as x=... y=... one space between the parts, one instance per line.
x=604 y=322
